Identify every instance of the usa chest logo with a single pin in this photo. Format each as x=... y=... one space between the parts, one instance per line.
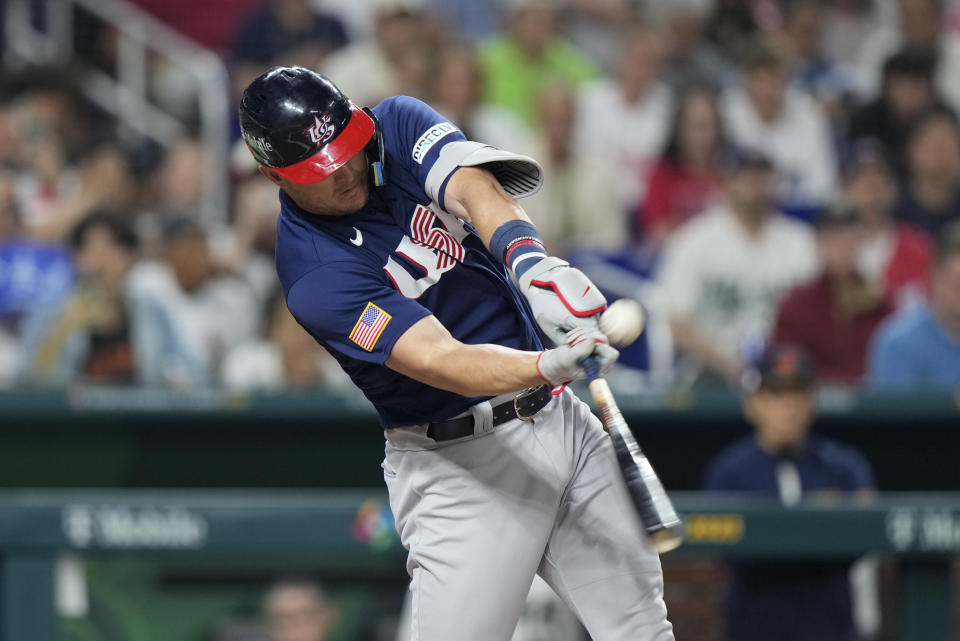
x=322 y=129
x=433 y=247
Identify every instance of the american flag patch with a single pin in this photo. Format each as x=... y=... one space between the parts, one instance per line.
x=371 y=324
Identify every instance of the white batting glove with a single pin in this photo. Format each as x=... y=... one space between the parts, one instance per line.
x=561 y=297
x=564 y=364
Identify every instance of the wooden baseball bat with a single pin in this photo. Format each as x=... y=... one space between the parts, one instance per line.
x=659 y=517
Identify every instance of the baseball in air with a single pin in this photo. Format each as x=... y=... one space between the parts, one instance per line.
x=622 y=322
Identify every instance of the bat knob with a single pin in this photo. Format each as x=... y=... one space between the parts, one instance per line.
x=669 y=538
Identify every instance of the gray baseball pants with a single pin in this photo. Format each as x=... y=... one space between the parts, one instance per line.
x=480 y=515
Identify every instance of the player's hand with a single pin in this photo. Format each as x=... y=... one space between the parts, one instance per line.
x=563 y=364
x=562 y=298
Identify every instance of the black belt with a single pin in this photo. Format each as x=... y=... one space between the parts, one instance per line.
x=524 y=406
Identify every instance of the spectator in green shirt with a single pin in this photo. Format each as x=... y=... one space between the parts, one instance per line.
x=517 y=65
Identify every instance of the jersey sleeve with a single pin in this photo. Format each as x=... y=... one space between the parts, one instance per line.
x=415 y=134
x=352 y=309
x=433 y=148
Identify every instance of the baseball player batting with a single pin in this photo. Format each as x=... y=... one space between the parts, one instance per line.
x=401 y=248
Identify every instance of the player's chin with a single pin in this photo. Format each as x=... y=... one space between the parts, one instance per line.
x=349 y=202
x=357 y=197
x=355 y=202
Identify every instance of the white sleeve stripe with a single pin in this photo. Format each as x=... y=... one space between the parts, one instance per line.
x=523 y=257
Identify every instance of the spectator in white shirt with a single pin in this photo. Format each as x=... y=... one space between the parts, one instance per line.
x=725 y=271
x=186 y=316
x=623 y=122
x=787 y=125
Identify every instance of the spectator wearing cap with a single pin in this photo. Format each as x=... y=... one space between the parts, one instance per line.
x=920 y=347
x=688 y=177
x=930 y=192
x=834 y=316
x=894 y=256
x=622 y=122
x=790 y=600
x=906 y=93
x=766 y=113
x=724 y=272
x=530 y=55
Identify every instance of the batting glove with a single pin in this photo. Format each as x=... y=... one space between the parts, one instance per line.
x=561 y=297
x=565 y=363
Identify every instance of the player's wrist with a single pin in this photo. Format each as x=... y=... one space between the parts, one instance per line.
x=540 y=371
x=518 y=245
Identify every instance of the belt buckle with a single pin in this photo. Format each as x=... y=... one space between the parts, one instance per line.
x=522 y=395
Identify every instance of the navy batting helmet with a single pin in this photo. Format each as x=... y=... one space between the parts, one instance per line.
x=300 y=125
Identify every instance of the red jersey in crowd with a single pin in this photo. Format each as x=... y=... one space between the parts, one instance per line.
x=809 y=317
x=676 y=194
x=909 y=268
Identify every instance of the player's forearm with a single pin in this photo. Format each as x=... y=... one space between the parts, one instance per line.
x=474 y=195
x=427 y=352
x=476 y=370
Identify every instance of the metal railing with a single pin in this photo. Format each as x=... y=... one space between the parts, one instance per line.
x=42 y=32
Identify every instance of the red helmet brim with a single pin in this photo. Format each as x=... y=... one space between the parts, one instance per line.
x=335 y=154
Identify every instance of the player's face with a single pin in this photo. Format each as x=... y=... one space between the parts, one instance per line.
x=343 y=192
x=781 y=418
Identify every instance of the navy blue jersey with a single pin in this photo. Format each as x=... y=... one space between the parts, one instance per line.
x=789 y=600
x=358 y=282
x=822 y=464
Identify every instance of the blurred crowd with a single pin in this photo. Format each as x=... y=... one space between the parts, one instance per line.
x=758 y=170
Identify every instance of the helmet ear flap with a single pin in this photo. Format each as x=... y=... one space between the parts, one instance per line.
x=374 y=149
